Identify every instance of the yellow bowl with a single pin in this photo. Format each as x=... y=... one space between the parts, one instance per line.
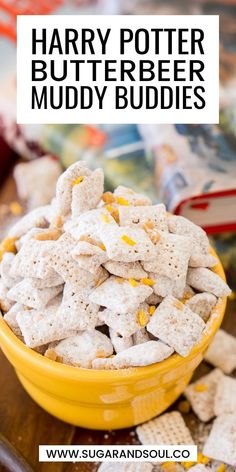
x=106 y=399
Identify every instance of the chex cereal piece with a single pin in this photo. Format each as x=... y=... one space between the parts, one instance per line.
x=5 y=302
x=202 y=304
x=200 y=256
x=33 y=260
x=136 y=356
x=88 y=256
x=36 y=180
x=153 y=216
x=88 y=224
x=220 y=444
x=43 y=327
x=75 y=303
x=201 y=394
x=10 y=317
x=26 y=293
x=205 y=280
x=127 y=270
x=82 y=349
x=182 y=226
x=87 y=193
x=133 y=198
x=140 y=336
x=171 y=256
x=222 y=352
x=225 y=398
x=119 y=295
x=125 y=244
x=119 y=342
x=65 y=265
x=166 y=286
x=169 y=428
x=65 y=186
x=125 y=467
x=125 y=324
x=5 y=267
x=37 y=218
x=177 y=325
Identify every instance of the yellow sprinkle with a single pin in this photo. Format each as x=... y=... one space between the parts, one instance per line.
x=148 y=282
x=109 y=208
x=178 y=304
x=221 y=468
x=16 y=208
x=7 y=245
x=200 y=388
x=169 y=466
x=108 y=197
x=102 y=246
x=184 y=406
x=78 y=180
x=142 y=318
x=120 y=280
x=51 y=235
x=105 y=218
x=149 y=224
x=151 y=310
x=133 y=282
x=113 y=211
x=128 y=240
x=51 y=354
x=187 y=465
x=202 y=459
x=122 y=201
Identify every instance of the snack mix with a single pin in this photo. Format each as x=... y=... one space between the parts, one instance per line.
x=108 y=280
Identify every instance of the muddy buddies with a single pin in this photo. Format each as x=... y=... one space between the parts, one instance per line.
x=108 y=280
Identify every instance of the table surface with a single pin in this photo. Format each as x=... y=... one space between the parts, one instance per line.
x=27 y=426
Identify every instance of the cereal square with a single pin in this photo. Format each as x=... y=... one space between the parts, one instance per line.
x=201 y=394
x=171 y=256
x=176 y=325
x=225 y=398
x=80 y=350
x=169 y=428
x=48 y=325
x=154 y=216
x=119 y=295
x=65 y=185
x=222 y=352
x=87 y=193
x=125 y=324
x=202 y=304
x=204 y=280
x=220 y=444
x=26 y=293
x=125 y=244
x=76 y=303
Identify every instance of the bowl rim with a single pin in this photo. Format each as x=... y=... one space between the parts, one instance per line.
x=55 y=369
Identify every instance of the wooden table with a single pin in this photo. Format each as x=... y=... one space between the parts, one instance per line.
x=27 y=426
